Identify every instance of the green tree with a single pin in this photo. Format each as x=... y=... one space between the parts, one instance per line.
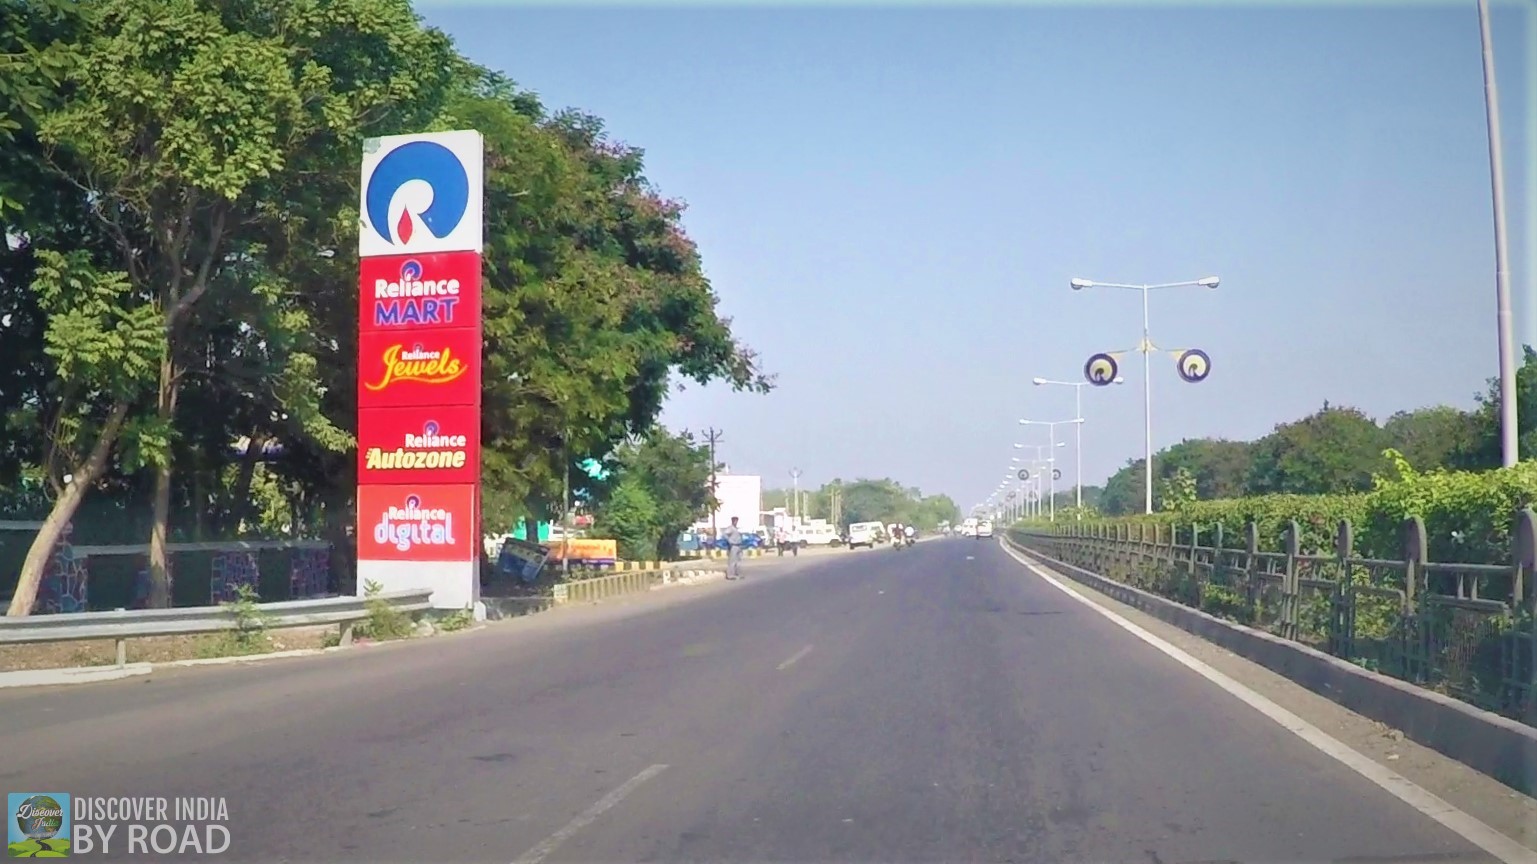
x=1484 y=450
x=1431 y=438
x=1177 y=490
x=662 y=476
x=594 y=297
x=873 y=501
x=208 y=151
x=105 y=352
x=632 y=517
x=186 y=121
x=1334 y=450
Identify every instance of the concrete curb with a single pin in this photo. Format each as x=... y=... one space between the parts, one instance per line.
x=93 y=674
x=690 y=576
x=1497 y=746
x=78 y=675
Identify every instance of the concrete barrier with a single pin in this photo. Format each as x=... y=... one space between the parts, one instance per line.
x=1484 y=741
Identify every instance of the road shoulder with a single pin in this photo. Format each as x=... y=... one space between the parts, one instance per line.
x=1495 y=804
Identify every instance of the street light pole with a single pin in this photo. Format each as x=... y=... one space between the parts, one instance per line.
x=1049 y=461
x=1078 y=452
x=1147 y=349
x=1078 y=445
x=1147 y=408
x=1052 y=431
x=1509 y=442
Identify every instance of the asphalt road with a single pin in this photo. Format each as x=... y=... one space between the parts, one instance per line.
x=935 y=704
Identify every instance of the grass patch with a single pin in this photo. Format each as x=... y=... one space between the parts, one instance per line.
x=250 y=633
x=384 y=622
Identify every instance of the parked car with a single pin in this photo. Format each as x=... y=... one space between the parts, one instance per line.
x=866 y=534
x=750 y=540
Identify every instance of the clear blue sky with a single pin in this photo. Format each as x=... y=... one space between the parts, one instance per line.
x=903 y=194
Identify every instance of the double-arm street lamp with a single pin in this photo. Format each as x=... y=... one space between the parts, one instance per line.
x=1051 y=426
x=1035 y=462
x=1147 y=348
x=1077 y=412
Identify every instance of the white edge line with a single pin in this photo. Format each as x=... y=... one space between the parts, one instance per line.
x=795 y=657
x=588 y=816
x=1465 y=826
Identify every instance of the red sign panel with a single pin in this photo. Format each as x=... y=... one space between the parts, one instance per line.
x=419 y=445
x=417 y=523
x=430 y=368
x=419 y=292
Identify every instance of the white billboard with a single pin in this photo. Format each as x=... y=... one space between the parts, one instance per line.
x=740 y=495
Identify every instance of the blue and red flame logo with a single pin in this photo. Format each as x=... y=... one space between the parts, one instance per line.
x=431 y=163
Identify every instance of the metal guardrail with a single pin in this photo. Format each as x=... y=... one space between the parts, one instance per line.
x=121 y=625
x=603 y=587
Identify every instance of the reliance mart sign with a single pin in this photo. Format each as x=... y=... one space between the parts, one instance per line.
x=418 y=292
x=419 y=364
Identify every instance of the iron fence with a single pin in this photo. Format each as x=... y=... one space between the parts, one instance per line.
x=1466 y=630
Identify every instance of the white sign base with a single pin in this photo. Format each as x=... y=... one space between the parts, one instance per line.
x=455 y=584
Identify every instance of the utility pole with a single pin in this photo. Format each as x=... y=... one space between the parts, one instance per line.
x=565 y=512
x=795 y=511
x=713 y=436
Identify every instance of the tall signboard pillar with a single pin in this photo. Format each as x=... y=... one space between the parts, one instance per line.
x=419 y=365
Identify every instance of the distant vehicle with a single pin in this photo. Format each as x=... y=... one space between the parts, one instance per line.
x=750 y=540
x=820 y=534
x=984 y=528
x=865 y=534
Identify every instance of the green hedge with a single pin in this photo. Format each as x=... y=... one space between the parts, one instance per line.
x=1468 y=515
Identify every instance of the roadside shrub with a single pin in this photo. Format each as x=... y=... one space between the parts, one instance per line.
x=1468 y=515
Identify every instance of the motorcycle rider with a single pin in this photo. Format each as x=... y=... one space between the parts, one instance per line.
x=912 y=534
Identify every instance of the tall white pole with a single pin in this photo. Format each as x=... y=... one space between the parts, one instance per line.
x=1509 y=441
x=1147 y=409
x=1078 y=447
x=1051 y=431
x=795 y=502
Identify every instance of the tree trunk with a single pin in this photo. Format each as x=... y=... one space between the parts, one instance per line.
x=83 y=478
x=159 y=572
x=238 y=505
x=340 y=529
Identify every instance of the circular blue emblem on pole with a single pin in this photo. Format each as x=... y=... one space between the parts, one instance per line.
x=1101 y=370
x=431 y=163
x=1193 y=365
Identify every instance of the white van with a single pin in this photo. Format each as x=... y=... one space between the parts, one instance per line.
x=984 y=528
x=819 y=535
x=865 y=534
